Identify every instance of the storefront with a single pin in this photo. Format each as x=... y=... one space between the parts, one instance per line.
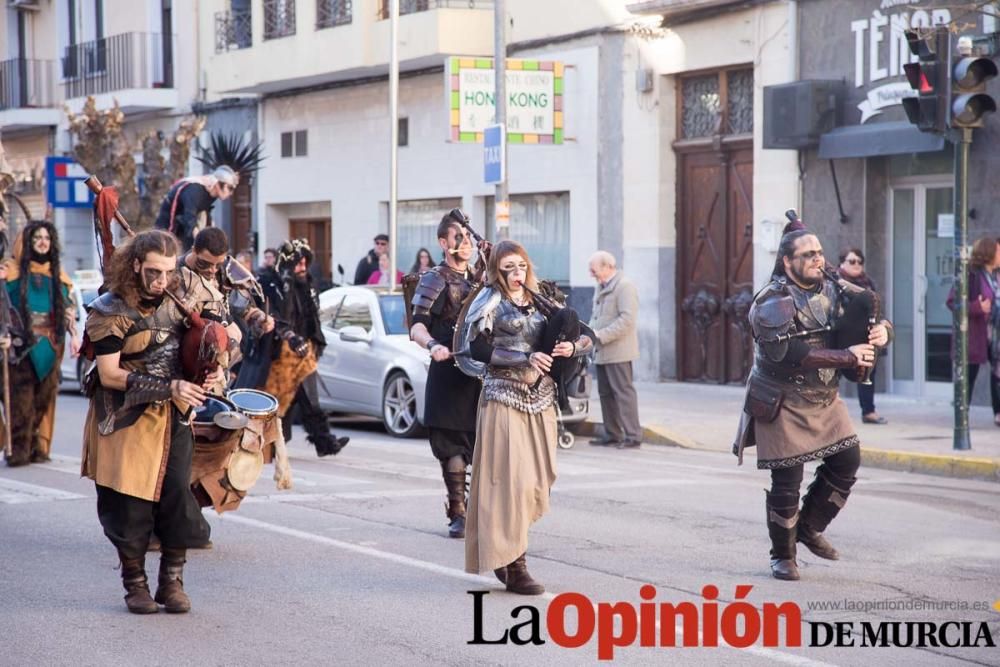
x=877 y=183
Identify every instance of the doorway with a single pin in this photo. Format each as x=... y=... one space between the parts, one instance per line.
x=317 y=232
x=923 y=231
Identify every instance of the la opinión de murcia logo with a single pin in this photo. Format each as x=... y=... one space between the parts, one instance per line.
x=573 y=620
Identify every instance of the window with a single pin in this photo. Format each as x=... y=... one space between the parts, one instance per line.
x=331 y=13
x=353 y=311
x=392 y=313
x=716 y=103
x=417 y=221
x=540 y=222
x=279 y=18
x=294 y=143
x=404 y=132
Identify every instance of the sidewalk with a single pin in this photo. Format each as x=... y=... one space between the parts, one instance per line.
x=918 y=437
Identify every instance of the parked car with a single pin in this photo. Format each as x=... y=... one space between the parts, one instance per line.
x=370 y=365
x=73 y=369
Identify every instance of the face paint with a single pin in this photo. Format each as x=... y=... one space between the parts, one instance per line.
x=154 y=281
x=514 y=270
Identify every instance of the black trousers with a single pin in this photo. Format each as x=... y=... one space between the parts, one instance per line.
x=973 y=371
x=843 y=464
x=128 y=521
x=446 y=443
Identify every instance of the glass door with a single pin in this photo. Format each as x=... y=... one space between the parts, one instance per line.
x=922 y=276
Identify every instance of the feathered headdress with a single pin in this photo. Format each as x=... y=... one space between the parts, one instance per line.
x=232 y=151
x=291 y=252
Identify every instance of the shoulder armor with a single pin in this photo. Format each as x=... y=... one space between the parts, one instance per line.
x=236 y=276
x=773 y=312
x=109 y=304
x=481 y=311
x=431 y=284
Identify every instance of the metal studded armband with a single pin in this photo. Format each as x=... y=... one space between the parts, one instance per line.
x=142 y=388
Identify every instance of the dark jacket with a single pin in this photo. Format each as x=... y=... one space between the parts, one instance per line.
x=366 y=267
x=191 y=199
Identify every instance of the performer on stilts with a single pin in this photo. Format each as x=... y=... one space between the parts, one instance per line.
x=793 y=413
x=451 y=395
x=42 y=294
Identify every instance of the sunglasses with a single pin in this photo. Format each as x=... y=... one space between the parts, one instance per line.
x=202 y=265
x=228 y=187
x=855 y=262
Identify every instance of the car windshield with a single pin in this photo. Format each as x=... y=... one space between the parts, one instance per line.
x=392 y=313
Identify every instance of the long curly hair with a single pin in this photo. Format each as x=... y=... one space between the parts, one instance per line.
x=493 y=276
x=120 y=275
x=58 y=311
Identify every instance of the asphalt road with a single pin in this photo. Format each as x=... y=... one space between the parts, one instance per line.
x=352 y=566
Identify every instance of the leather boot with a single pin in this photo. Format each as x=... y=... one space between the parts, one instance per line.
x=519 y=581
x=826 y=496
x=137 y=597
x=782 y=517
x=454 y=481
x=170 y=586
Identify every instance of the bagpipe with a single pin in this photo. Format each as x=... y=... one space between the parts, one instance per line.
x=861 y=310
x=203 y=339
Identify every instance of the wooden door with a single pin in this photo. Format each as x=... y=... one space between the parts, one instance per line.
x=715 y=263
x=317 y=232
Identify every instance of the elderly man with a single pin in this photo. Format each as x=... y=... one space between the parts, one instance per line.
x=616 y=307
x=369 y=263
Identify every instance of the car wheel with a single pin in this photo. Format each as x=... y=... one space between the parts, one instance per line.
x=399 y=406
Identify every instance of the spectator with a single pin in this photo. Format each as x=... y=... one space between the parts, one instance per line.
x=381 y=275
x=852 y=269
x=616 y=308
x=369 y=263
x=984 y=316
x=423 y=263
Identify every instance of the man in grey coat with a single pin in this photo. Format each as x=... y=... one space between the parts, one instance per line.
x=616 y=308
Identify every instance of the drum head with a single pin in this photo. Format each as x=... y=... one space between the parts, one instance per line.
x=252 y=402
x=244 y=469
x=231 y=420
x=212 y=406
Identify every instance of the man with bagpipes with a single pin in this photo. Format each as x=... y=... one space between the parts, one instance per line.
x=437 y=297
x=284 y=362
x=155 y=356
x=187 y=206
x=809 y=328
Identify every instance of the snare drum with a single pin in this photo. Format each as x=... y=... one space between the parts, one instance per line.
x=253 y=403
x=203 y=423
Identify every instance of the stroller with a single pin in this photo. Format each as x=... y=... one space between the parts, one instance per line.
x=577 y=389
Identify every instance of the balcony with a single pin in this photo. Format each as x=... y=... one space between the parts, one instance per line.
x=316 y=42
x=413 y=6
x=135 y=68
x=27 y=94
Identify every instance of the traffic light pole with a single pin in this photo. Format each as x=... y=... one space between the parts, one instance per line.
x=960 y=323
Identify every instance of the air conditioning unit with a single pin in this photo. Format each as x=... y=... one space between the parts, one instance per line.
x=25 y=5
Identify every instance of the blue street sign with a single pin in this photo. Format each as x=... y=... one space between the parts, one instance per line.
x=493 y=152
x=65 y=179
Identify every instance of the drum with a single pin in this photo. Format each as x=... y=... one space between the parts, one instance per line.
x=215 y=419
x=253 y=403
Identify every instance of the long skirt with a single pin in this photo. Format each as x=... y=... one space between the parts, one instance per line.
x=513 y=468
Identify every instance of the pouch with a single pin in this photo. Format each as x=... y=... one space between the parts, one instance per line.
x=763 y=400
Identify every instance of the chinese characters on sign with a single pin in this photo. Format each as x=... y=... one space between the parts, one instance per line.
x=534 y=100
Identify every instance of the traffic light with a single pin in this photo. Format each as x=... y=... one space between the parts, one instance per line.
x=971 y=102
x=930 y=76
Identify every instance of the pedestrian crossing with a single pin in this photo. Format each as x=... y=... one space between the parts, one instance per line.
x=13 y=492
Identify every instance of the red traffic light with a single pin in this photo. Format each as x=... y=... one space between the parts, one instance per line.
x=917 y=75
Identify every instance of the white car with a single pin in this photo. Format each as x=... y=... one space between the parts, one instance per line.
x=370 y=365
x=73 y=369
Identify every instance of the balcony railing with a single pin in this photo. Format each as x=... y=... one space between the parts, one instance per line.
x=413 y=6
x=279 y=18
x=128 y=60
x=232 y=31
x=26 y=83
x=330 y=13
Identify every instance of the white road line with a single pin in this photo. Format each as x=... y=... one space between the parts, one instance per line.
x=17 y=493
x=770 y=654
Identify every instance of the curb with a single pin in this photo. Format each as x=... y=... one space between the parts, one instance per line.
x=941 y=465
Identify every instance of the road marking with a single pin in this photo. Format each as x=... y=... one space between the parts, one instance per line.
x=18 y=493
x=770 y=654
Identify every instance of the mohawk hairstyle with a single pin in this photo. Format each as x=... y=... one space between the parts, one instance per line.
x=231 y=150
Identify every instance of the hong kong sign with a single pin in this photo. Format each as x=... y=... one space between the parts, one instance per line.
x=534 y=100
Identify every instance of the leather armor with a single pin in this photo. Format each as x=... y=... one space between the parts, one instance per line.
x=438 y=279
x=804 y=366
x=510 y=378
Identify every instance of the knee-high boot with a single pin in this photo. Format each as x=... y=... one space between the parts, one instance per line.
x=137 y=597
x=826 y=496
x=170 y=586
x=454 y=481
x=782 y=517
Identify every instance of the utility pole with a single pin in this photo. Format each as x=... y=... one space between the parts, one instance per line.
x=501 y=200
x=393 y=136
x=960 y=323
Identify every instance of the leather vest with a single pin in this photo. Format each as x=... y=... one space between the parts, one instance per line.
x=520 y=387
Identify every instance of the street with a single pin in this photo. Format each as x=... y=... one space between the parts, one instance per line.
x=352 y=566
